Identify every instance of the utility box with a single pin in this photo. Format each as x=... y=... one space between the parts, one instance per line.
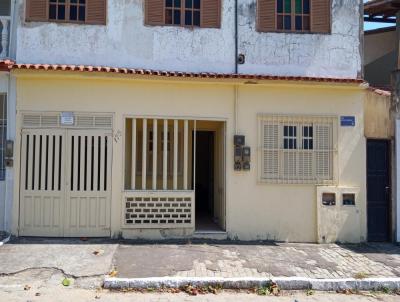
x=338 y=211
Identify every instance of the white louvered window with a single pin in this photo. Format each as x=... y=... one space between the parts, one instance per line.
x=3 y=134
x=297 y=149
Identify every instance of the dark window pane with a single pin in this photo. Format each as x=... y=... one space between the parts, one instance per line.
x=73 y=12
x=188 y=17
x=61 y=12
x=82 y=1
x=305 y=144
x=306 y=6
x=73 y=1
x=306 y=23
x=294 y=144
x=298 y=7
x=196 y=18
x=168 y=3
x=5 y=8
x=310 y=144
x=285 y=131
x=310 y=131
x=305 y=131
x=299 y=25
x=177 y=3
x=291 y=144
x=288 y=23
x=197 y=4
x=280 y=6
x=280 y=22
x=81 y=13
x=53 y=12
x=290 y=131
x=168 y=16
x=61 y=1
x=294 y=130
x=177 y=17
x=285 y=144
x=288 y=6
x=188 y=3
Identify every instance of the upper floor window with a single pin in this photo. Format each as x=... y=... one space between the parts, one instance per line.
x=77 y=11
x=294 y=16
x=67 y=10
x=190 y=13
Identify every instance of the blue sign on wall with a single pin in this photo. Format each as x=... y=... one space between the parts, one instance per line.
x=347 y=121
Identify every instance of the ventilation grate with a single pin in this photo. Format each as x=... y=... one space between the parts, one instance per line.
x=53 y=120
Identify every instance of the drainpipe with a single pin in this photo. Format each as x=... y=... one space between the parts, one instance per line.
x=236 y=36
x=236 y=67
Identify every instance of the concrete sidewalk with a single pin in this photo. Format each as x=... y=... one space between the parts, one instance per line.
x=258 y=260
x=234 y=264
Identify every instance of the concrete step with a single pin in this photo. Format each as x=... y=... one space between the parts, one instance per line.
x=211 y=235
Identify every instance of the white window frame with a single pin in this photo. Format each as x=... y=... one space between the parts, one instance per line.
x=278 y=163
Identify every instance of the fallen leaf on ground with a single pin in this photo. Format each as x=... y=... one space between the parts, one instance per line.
x=37 y=294
x=98 y=252
x=66 y=282
x=27 y=287
x=113 y=273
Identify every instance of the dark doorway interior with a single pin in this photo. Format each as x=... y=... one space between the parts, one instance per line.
x=205 y=141
x=378 y=190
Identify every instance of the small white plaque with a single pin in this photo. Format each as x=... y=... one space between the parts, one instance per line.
x=67 y=118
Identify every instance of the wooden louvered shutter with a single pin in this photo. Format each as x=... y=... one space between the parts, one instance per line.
x=36 y=10
x=323 y=155
x=96 y=12
x=266 y=15
x=321 y=16
x=154 y=12
x=210 y=11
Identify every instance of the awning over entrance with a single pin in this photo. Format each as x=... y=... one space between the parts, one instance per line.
x=381 y=11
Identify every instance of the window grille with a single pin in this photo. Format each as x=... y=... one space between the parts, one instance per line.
x=3 y=134
x=297 y=149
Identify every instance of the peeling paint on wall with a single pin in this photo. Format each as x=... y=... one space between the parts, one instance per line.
x=127 y=42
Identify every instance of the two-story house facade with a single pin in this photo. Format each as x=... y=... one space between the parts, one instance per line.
x=198 y=118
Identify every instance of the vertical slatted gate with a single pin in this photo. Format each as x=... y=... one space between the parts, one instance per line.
x=65 y=183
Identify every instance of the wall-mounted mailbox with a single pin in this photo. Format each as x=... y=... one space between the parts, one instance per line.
x=9 y=153
x=349 y=199
x=239 y=140
x=238 y=158
x=328 y=199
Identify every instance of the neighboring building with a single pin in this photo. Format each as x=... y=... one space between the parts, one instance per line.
x=200 y=126
x=380 y=56
x=382 y=69
x=7 y=113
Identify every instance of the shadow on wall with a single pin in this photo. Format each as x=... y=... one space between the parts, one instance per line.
x=378 y=72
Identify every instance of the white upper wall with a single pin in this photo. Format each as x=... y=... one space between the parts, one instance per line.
x=126 y=42
x=337 y=54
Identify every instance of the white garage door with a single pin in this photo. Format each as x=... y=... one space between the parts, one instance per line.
x=65 y=182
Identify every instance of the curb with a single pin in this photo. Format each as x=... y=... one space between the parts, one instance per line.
x=5 y=240
x=285 y=283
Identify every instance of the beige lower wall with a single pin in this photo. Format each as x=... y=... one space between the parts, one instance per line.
x=253 y=210
x=378 y=120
